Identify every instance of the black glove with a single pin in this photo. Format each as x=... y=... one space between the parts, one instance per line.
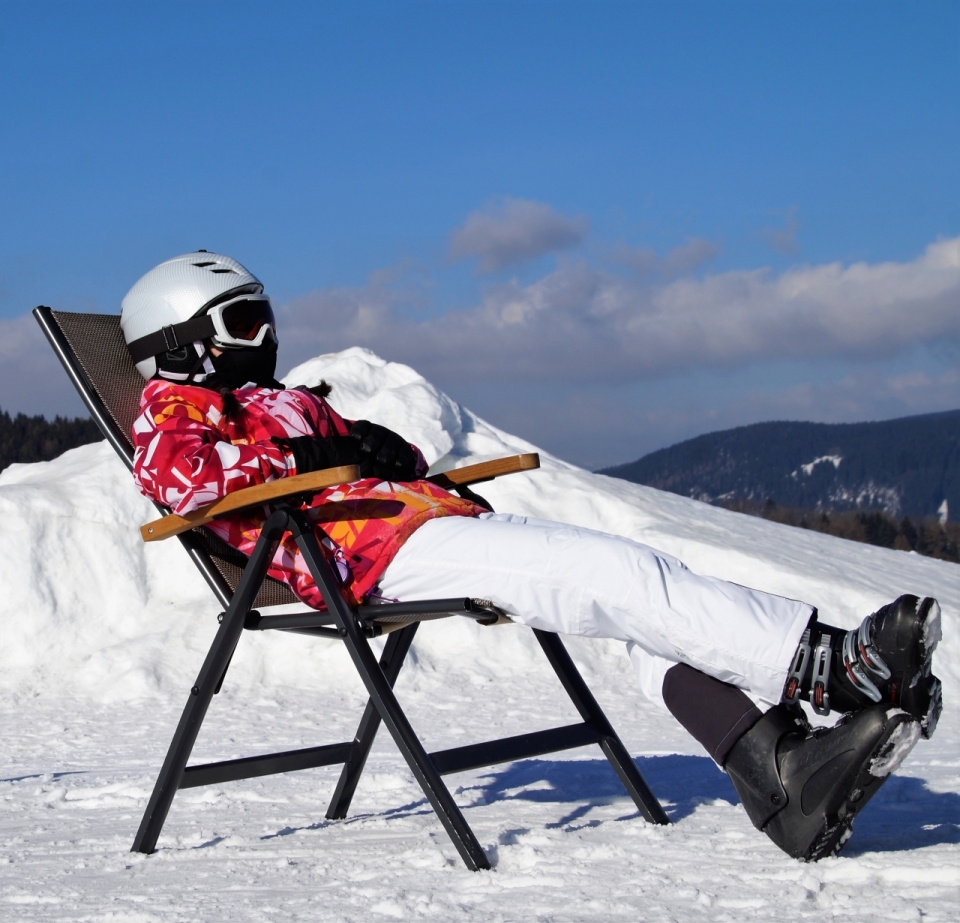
x=311 y=454
x=382 y=453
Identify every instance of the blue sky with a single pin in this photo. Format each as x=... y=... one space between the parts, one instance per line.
x=588 y=222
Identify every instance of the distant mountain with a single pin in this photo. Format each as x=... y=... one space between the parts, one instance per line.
x=33 y=439
x=905 y=467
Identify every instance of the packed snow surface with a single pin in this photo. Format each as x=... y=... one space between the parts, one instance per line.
x=101 y=638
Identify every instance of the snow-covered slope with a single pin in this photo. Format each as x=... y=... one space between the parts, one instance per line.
x=101 y=636
x=87 y=606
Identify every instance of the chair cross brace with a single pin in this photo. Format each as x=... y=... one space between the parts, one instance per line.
x=353 y=626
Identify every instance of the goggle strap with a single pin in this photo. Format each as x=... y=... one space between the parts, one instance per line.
x=172 y=337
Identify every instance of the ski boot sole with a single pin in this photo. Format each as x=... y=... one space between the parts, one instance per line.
x=899 y=738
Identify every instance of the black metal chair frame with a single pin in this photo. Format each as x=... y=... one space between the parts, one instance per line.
x=353 y=626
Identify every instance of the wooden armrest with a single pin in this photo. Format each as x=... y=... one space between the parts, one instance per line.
x=311 y=482
x=485 y=471
x=315 y=481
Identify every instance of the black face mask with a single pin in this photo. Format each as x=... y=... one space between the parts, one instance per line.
x=235 y=367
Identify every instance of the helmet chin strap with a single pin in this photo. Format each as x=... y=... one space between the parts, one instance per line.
x=194 y=376
x=208 y=368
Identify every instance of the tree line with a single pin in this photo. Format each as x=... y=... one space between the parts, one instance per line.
x=922 y=534
x=32 y=439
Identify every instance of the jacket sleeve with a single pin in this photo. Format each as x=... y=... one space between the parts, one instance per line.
x=341 y=426
x=183 y=462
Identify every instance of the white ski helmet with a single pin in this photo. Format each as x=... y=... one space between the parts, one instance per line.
x=155 y=312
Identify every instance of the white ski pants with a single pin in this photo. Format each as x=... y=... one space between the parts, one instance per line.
x=576 y=581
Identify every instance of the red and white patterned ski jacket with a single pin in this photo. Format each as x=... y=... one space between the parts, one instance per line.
x=187 y=454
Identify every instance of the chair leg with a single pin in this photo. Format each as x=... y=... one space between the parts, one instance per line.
x=381 y=694
x=590 y=711
x=208 y=682
x=391 y=661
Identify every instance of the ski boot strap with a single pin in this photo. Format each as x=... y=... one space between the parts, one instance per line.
x=820 y=683
x=798 y=670
x=862 y=662
x=812 y=665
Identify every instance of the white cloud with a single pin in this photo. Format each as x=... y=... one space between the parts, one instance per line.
x=645 y=261
x=864 y=394
x=513 y=231
x=578 y=322
x=32 y=381
x=784 y=239
x=606 y=349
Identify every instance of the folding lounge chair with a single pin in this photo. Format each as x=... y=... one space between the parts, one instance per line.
x=93 y=352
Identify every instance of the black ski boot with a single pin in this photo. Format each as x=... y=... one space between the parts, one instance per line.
x=892 y=652
x=888 y=659
x=803 y=788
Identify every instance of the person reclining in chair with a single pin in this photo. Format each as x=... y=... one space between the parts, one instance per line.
x=731 y=663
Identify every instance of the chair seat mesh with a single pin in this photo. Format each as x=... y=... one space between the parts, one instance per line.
x=99 y=348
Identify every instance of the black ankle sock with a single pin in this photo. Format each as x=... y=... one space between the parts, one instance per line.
x=715 y=713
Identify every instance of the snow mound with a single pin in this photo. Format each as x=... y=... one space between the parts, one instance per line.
x=367 y=387
x=87 y=609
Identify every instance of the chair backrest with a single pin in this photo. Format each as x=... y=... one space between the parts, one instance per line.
x=95 y=356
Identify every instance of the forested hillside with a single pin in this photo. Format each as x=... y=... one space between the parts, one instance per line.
x=908 y=466
x=32 y=439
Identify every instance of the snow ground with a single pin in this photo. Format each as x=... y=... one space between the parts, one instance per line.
x=101 y=637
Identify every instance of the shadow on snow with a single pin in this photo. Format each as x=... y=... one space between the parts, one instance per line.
x=681 y=783
x=904 y=814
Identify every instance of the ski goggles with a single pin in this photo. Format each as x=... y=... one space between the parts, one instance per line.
x=246 y=320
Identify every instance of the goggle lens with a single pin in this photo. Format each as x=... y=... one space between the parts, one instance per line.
x=243 y=320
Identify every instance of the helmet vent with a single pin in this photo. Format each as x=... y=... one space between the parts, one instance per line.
x=206 y=263
x=224 y=270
